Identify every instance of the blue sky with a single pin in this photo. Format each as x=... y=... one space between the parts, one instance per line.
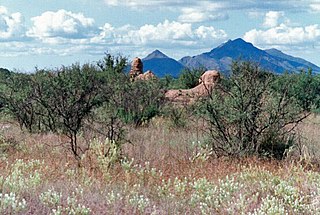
x=51 y=33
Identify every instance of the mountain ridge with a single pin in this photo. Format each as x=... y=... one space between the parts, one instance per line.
x=221 y=57
x=155 y=54
x=161 y=65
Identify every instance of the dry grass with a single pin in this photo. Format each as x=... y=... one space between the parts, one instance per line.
x=138 y=190
x=310 y=134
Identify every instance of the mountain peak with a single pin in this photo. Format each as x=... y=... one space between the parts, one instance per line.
x=161 y=64
x=155 y=54
x=234 y=49
x=274 y=51
x=239 y=42
x=220 y=58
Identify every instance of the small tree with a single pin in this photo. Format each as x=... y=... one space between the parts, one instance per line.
x=67 y=97
x=142 y=101
x=247 y=117
x=63 y=100
x=303 y=86
x=189 y=78
x=132 y=102
x=168 y=82
x=17 y=96
x=113 y=64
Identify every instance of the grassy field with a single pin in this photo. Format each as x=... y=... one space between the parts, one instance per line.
x=166 y=171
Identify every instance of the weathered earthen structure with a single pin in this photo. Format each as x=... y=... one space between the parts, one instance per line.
x=136 y=71
x=148 y=75
x=136 y=68
x=206 y=83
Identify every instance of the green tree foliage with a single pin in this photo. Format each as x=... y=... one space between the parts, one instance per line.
x=59 y=101
x=303 y=86
x=63 y=100
x=113 y=82
x=189 y=78
x=17 y=96
x=112 y=65
x=168 y=82
x=246 y=116
x=142 y=101
x=4 y=75
x=66 y=98
x=132 y=102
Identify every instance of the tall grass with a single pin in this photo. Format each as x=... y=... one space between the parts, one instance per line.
x=165 y=171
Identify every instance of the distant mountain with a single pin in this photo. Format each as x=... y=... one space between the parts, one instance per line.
x=220 y=58
x=298 y=63
x=155 y=54
x=161 y=65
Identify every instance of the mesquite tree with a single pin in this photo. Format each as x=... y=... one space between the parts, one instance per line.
x=246 y=116
x=67 y=97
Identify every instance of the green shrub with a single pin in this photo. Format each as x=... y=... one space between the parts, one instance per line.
x=168 y=82
x=303 y=86
x=65 y=99
x=62 y=100
x=189 y=78
x=246 y=116
x=177 y=116
x=136 y=102
x=6 y=144
x=16 y=94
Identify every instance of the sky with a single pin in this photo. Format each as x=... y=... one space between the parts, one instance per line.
x=51 y=33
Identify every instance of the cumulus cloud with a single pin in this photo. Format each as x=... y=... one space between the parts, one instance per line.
x=272 y=18
x=226 y=4
x=206 y=10
x=200 y=15
x=61 y=30
x=139 y=3
x=56 y=26
x=11 y=25
x=164 y=34
x=282 y=33
x=195 y=11
x=315 y=6
x=210 y=33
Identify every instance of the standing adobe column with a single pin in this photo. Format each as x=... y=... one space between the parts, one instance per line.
x=136 y=68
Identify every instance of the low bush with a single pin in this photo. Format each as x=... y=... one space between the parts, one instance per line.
x=246 y=116
x=303 y=86
x=189 y=78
